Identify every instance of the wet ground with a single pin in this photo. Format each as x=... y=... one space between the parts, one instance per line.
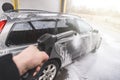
x=102 y=65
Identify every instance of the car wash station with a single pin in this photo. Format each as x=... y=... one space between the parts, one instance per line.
x=81 y=37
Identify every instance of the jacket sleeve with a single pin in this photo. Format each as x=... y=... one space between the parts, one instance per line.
x=8 y=69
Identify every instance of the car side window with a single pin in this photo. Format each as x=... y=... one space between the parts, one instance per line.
x=71 y=22
x=62 y=26
x=66 y=25
x=44 y=26
x=21 y=33
x=83 y=26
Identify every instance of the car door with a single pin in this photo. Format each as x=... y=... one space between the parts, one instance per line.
x=82 y=41
x=68 y=46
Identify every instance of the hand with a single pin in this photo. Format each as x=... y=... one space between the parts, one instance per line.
x=30 y=58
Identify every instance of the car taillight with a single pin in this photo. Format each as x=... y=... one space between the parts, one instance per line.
x=2 y=24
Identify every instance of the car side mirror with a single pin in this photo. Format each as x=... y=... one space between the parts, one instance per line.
x=96 y=31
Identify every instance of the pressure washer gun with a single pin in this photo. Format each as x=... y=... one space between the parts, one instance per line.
x=46 y=43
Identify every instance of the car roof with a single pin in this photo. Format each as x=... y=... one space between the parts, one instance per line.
x=34 y=14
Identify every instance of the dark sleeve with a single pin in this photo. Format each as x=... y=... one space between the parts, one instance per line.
x=8 y=69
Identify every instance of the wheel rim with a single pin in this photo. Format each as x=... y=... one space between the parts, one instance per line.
x=48 y=73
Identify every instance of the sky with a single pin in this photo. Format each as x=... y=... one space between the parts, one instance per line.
x=94 y=4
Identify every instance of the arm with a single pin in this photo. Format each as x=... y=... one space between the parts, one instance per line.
x=8 y=69
x=12 y=67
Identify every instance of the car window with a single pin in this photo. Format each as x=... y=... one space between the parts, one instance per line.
x=62 y=23
x=66 y=25
x=22 y=27
x=71 y=22
x=43 y=24
x=62 y=26
x=20 y=34
x=83 y=26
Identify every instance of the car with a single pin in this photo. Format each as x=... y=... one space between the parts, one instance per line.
x=67 y=37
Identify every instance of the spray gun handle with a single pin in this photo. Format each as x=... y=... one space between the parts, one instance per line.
x=46 y=42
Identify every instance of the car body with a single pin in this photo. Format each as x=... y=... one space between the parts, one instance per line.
x=74 y=36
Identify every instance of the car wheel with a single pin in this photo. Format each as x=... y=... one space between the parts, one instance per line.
x=47 y=72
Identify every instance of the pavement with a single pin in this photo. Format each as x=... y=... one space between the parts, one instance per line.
x=101 y=65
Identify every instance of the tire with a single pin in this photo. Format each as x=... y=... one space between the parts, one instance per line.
x=47 y=72
x=94 y=50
